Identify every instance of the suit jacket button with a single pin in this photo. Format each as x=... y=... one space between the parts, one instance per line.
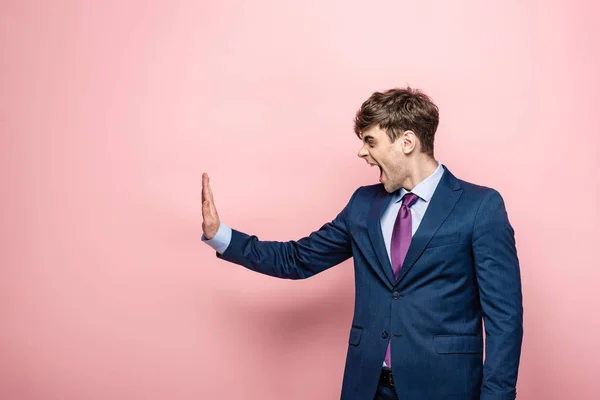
x=384 y=334
x=396 y=295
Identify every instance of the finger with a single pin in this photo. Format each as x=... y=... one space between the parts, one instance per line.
x=210 y=192
x=205 y=193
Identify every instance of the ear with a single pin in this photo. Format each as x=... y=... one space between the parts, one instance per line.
x=409 y=141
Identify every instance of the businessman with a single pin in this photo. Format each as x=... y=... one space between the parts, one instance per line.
x=433 y=256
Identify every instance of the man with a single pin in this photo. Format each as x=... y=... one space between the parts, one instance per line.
x=432 y=255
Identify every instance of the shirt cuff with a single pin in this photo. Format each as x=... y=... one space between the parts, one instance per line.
x=221 y=240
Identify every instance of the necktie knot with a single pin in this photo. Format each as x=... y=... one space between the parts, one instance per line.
x=409 y=199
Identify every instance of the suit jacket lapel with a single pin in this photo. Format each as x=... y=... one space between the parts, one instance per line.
x=379 y=205
x=442 y=202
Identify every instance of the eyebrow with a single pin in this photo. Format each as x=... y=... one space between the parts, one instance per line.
x=368 y=137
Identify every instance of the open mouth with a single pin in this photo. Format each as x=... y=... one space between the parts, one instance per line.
x=380 y=170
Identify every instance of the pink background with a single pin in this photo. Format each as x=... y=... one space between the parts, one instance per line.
x=110 y=111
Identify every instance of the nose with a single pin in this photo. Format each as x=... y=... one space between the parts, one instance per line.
x=362 y=152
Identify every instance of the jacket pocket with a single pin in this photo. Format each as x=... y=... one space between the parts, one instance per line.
x=355 y=335
x=444 y=240
x=453 y=344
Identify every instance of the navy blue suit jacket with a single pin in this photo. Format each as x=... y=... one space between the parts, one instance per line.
x=461 y=267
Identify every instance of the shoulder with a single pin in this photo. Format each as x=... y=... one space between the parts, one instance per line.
x=370 y=189
x=369 y=192
x=478 y=195
x=477 y=190
x=364 y=197
x=470 y=191
x=484 y=200
x=473 y=190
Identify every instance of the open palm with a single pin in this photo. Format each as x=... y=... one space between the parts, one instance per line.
x=210 y=217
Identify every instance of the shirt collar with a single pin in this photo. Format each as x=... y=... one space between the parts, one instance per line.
x=426 y=187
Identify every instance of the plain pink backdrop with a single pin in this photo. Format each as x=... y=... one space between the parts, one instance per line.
x=110 y=112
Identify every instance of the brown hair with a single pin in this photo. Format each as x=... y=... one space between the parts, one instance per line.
x=399 y=110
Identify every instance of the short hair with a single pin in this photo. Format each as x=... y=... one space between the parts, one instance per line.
x=399 y=110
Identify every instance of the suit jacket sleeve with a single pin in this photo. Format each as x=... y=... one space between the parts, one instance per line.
x=322 y=249
x=499 y=281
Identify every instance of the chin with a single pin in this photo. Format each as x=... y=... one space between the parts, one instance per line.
x=388 y=188
x=391 y=187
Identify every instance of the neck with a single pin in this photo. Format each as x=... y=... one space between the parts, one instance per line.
x=420 y=169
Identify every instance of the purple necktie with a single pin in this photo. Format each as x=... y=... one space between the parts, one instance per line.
x=401 y=236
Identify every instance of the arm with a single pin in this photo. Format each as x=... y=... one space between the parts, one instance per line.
x=499 y=280
x=322 y=249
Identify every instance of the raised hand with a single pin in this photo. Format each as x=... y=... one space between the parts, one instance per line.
x=210 y=217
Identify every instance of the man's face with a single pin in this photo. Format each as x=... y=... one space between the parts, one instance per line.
x=378 y=150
